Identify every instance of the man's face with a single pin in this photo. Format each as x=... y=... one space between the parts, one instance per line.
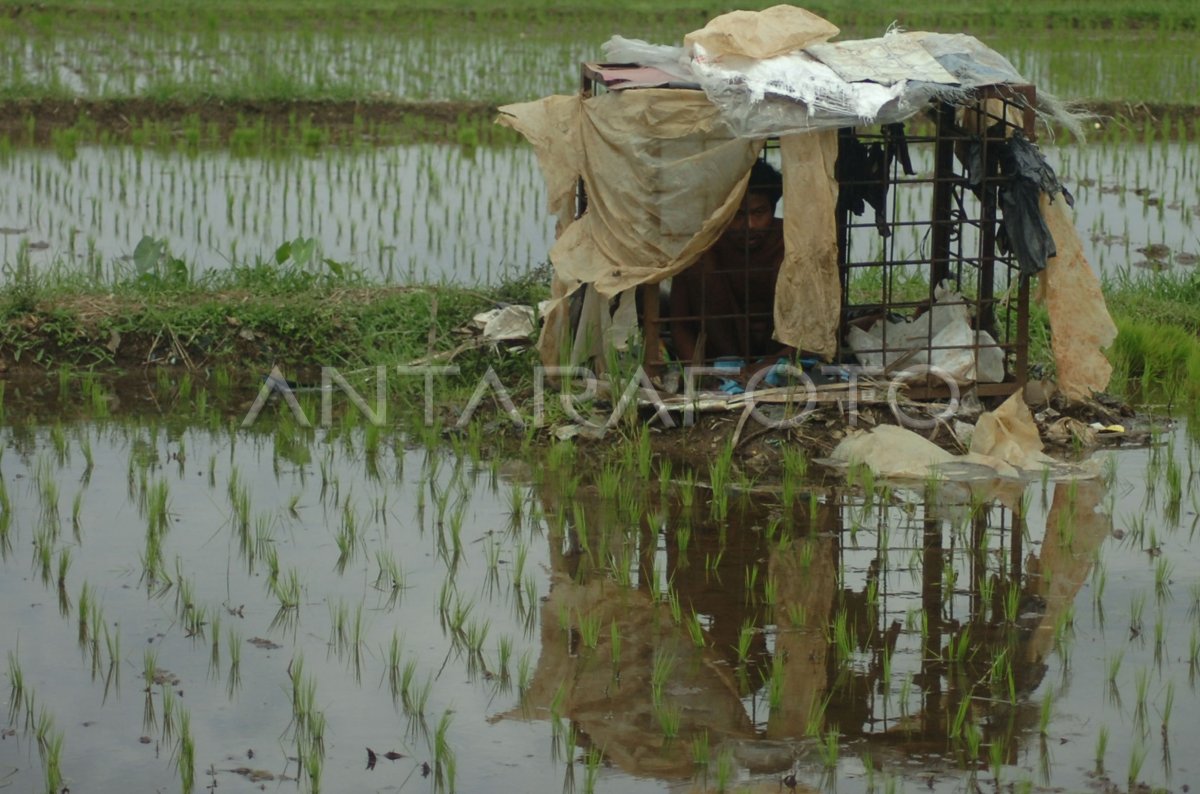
x=753 y=218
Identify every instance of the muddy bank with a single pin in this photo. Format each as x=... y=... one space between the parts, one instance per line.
x=225 y=122
x=382 y=120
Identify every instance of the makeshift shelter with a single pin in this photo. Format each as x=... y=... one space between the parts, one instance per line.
x=647 y=166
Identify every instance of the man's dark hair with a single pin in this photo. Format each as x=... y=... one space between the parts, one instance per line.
x=765 y=179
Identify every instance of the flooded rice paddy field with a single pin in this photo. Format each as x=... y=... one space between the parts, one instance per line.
x=440 y=212
x=190 y=604
x=491 y=59
x=424 y=213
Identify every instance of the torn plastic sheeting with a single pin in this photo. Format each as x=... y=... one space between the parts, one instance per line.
x=674 y=61
x=1005 y=443
x=887 y=60
x=1010 y=434
x=894 y=451
x=1030 y=176
x=972 y=62
x=947 y=326
x=507 y=323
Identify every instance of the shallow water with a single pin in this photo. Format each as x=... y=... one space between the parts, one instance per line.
x=442 y=213
x=874 y=623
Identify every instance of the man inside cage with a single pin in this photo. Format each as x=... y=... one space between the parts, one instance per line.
x=722 y=307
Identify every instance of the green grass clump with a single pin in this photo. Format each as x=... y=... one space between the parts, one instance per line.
x=1153 y=360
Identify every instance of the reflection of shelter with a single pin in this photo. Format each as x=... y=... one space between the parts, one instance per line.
x=869 y=598
x=903 y=245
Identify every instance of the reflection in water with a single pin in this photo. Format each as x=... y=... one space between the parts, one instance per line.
x=599 y=623
x=911 y=621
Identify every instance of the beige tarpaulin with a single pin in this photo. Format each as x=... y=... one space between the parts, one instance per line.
x=1010 y=434
x=1080 y=325
x=664 y=176
x=1005 y=443
x=762 y=34
x=808 y=294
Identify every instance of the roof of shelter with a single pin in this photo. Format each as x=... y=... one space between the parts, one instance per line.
x=777 y=71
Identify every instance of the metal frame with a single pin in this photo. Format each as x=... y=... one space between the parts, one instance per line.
x=960 y=230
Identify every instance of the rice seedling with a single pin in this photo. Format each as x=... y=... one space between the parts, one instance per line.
x=961 y=718
x=724 y=771
x=828 y=749
x=815 y=719
x=744 y=640
x=1167 y=706
x=1141 y=683
x=167 y=698
x=51 y=746
x=16 y=686
x=972 y=738
x=1160 y=631
x=700 y=750
x=1045 y=711
x=1163 y=568
x=444 y=762
x=1101 y=748
x=1137 y=757
x=662 y=664
x=524 y=672
x=669 y=715
x=589 y=629
x=1114 y=669
x=1137 y=605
